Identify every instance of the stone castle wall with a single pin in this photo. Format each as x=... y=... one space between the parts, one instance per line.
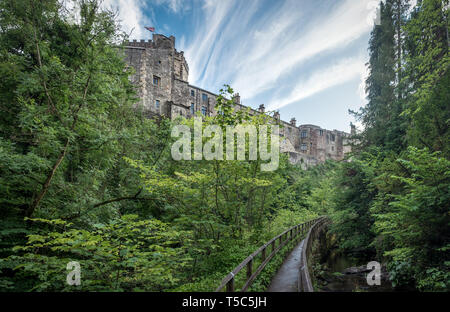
x=161 y=74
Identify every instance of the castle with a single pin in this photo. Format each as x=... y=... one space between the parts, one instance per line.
x=161 y=74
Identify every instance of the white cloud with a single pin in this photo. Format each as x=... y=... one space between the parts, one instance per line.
x=207 y=32
x=341 y=27
x=254 y=50
x=132 y=17
x=321 y=80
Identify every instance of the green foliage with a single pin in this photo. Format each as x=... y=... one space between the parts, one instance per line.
x=68 y=119
x=126 y=254
x=415 y=217
x=352 y=198
x=232 y=207
x=394 y=196
x=65 y=106
x=427 y=64
x=97 y=179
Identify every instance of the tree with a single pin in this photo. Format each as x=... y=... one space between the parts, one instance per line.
x=378 y=115
x=426 y=74
x=411 y=213
x=352 y=221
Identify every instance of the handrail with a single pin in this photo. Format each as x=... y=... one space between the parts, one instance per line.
x=304 y=278
x=294 y=231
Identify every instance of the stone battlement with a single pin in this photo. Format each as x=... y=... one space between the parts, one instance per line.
x=158 y=42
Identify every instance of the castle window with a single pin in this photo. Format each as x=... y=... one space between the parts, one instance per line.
x=192 y=108
x=304 y=134
x=204 y=97
x=332 y=148
x=204 y=110
x=321 y=132
x=304 y=147
x=333 y=137
x=192 y=93
x=156 y=80
x=157 y=104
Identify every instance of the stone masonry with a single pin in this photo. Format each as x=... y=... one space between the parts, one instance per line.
x=161 y=74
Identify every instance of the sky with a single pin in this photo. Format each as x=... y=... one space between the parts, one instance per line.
x=304 y=58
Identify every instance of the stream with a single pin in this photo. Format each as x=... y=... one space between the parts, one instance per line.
x=337 y=271
x=331 y=275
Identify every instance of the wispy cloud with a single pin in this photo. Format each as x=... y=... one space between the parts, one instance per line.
x=322 y=79
x=174 y=5
x=207 y=30
x=255 y=56
x=339 y=28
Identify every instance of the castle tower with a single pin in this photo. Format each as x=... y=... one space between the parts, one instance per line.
x=161 y=75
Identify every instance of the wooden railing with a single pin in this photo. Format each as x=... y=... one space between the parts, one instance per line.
x=304 y=278
x=293 y=233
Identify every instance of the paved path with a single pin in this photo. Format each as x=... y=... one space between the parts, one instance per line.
x=286 y=279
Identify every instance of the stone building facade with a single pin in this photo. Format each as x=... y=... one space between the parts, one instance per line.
x=161 y=74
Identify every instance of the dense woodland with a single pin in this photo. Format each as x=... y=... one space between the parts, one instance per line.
x=393 y=199
x=85 y=177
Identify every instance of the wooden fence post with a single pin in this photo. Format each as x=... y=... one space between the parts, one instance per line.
x=230 y=285
x=249 y=269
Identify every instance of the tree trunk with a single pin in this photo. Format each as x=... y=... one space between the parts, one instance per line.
x=47 y=182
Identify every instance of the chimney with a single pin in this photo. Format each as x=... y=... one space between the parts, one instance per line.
x=237 y=98
x=261 y=108
x=294 y=122
x=276 y=115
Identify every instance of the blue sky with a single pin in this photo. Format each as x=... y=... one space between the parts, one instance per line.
x=305 y=58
